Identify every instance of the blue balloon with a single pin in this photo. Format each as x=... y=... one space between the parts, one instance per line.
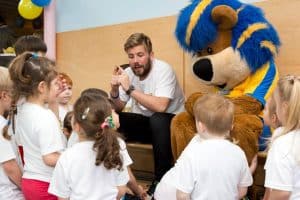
x=41 y=3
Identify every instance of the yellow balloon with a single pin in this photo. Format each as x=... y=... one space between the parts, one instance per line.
x=28 y=10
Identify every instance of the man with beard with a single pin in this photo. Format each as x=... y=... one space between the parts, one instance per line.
x=155 y=97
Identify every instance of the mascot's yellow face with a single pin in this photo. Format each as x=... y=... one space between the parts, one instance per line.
x=219 y=64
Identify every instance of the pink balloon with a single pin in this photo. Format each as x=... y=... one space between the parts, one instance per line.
x=50 y=29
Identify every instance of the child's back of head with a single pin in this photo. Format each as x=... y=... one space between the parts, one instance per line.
x=215 y=112
x=5 y=81
x=93 y=114
x=30 y=43
x=27 y=71
x=287 y=98
x=5 y=97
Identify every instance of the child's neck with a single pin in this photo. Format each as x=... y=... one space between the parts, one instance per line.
x=210 y=136
x=64 y=105
x=36 y=100
x=82 y=137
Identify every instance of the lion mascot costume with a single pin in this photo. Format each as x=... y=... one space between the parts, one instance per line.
x=233 y=48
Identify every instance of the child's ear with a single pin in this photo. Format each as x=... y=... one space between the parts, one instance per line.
x=201 y=127
x=42 y=87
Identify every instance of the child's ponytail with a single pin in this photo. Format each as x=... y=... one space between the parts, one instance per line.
x=108 y=149
x=27 y=71
x=93 y=114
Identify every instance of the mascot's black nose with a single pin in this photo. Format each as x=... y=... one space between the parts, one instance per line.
x=203 y=69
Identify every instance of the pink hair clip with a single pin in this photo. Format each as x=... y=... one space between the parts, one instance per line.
x=104 y=124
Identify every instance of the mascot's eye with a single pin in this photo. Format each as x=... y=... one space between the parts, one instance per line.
x=197 y=54
x=209 y=50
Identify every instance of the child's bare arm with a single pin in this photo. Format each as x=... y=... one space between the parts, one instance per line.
x=279 y=195
x=121 y=191
x=13 y=171
x=134 y=187
x=267 y=194
x=182 y=195
x=242 y=192
x=51 y=159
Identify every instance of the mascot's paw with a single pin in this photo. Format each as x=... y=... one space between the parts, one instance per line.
x=246 y=105
x=191 y=101
x=183 y=129
x=246 y=131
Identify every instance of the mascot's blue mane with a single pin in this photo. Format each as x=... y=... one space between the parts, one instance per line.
x=256 y=48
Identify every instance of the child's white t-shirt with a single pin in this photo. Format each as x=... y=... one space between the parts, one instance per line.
x=282 y=167
x=77 y=177
x=73 y=139
x=39 y=133
x=8 y=151
x=207 y=169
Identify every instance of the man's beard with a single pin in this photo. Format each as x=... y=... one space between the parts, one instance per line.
x=146 y=69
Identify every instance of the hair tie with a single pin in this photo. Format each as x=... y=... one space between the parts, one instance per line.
x=108 y=122
x=35 y=55
x=104 y=124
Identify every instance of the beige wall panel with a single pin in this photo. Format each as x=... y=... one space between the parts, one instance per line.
x=89 y=55
x=284 y=15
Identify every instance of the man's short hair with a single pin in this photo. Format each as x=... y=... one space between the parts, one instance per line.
x=138 y=39
x=215 y=112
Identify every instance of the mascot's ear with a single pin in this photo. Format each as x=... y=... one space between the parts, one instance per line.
x=224 y=16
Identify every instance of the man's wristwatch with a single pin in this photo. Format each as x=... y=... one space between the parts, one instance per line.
x=130 y=89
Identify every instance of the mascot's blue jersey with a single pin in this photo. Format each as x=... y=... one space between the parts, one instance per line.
x=259 y=85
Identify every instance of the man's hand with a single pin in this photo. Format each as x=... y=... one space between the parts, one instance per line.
x=124 y=80
x=115 y=79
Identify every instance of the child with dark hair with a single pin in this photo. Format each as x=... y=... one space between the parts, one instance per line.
x=37 y=128
x=30 y=43
x=98 y=155
x=67 y=124
x=136 y=189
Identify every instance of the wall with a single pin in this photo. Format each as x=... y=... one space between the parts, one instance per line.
x=89 y=55
x=82 y=14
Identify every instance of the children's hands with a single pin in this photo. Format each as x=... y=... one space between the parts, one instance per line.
x=142 y=193
x=121 y=191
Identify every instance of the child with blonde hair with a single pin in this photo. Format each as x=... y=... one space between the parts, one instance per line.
x=10 y=162
x=283 y=161
x=270 y=116
x=98 y=156
x=36 y=126
x=211 y=166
